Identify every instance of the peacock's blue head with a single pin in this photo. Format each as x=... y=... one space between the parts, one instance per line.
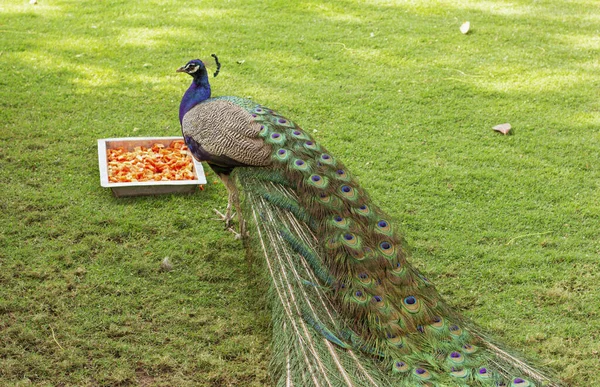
x=195 y=68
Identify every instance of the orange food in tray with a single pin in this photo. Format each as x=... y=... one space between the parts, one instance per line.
x=158 y=163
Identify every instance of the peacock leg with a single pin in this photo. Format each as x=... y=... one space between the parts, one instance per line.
x=233 y=200
x=227 y=218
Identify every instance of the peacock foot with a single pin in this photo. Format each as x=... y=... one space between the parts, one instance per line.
x=228 y=219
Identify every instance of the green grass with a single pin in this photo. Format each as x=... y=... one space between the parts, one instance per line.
x=506 y=226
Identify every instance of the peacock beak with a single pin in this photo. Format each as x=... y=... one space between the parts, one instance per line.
x=181 y=69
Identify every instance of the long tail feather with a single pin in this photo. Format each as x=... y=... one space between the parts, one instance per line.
x=313 y=344
x=307 y=351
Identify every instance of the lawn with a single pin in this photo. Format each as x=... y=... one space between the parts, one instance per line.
x=508 y=227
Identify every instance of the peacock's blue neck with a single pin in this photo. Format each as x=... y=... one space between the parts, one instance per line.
x=198 y=91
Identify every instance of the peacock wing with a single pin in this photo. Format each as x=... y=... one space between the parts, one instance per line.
x=224 y=133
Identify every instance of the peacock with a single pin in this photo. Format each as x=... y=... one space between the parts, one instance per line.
x=348 y=309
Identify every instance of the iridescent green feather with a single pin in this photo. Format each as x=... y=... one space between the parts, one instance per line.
x=368 y=318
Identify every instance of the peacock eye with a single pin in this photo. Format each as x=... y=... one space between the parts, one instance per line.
x=191 y=67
